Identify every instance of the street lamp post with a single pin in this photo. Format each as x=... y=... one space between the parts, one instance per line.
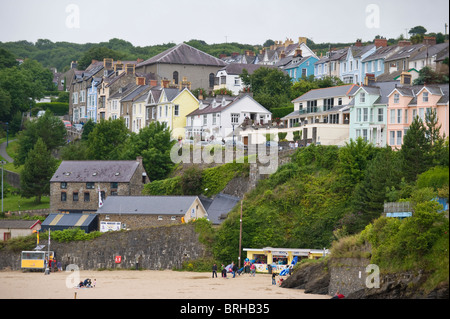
x=3 y=163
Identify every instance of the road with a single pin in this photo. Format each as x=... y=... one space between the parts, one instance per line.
x=4 y=154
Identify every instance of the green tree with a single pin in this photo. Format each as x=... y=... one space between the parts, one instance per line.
x=107 y=140
x=153 y=143
x=99 y=53
x=38 y=169
x=48 y=127
x=415 y=151
x=7 y=59
x=417 y=30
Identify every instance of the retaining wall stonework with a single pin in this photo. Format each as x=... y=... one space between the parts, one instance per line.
x=154 y=248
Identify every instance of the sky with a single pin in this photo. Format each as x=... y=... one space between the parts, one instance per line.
x=152 y=22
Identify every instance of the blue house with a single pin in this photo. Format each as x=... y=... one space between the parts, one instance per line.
x=374 y=63
x=301 y=67
x=91 y=105
x=351 y=64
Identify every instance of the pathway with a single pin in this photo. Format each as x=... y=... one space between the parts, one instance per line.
x=4 y=154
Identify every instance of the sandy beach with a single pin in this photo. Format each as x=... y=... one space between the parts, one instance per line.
x=145 y=284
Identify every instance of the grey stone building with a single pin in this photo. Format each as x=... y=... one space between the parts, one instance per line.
x=76 y=185
x=183 y=62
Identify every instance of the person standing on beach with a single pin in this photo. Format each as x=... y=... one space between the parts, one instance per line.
x=224 y=271
x=214 y=270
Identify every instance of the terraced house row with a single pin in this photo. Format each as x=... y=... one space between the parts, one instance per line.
x=378 y=104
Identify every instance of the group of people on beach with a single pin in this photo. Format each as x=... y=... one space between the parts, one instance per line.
x=233 y=269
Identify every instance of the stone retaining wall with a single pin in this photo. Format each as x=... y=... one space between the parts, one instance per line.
x=155 y=248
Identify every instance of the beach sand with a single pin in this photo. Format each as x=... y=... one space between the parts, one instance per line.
x=145 y=284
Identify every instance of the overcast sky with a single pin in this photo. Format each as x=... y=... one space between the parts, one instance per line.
x=150 y=22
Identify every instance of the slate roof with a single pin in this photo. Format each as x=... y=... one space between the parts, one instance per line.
x=219 y=207
x=147 y=205
x=87 y=222
x=405 y=52
x=237 y=68
x=382 y=53
x=95 y=171
x=184 y=54
x=432 y=50
x=334 y=91
x=18 y=223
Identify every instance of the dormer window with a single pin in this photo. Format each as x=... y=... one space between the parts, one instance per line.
x=425 y=96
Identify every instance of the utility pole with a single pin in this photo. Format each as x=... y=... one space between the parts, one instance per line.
x=240 y=237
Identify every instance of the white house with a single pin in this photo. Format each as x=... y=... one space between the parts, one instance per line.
x=229 y=76
x=218 y=118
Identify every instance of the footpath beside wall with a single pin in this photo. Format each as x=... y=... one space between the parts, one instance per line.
x=154 y=248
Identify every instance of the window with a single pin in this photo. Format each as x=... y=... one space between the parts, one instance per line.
x=425 y=97
x=63 y=196
x=211 y=80
x=421 y=114
x=392 y=119
x=362 y=97
x=160 y=218
x=399 y=137
x=396 y=98
x=340 y=101
x=380 y=115
x=311 y=106
x=176 y=111
x=328 y=104
x=364 y=131
x=87 y=197
x=214 y=122
x=406 y=117
x=167 y=110
x=173 y=218
x=399 y=116
x=63 y=185
x=365 y=114
x=90 y=185
x=358 y=115
x=237 y=81
x=175 y=77
x=392 y=138
x=234 y=118
x=304 y=72
x=75 y=196
x=114 y=185
x=205 y=119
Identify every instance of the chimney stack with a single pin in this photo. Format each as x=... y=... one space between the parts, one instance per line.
x=429 y=40
x=358 y=43
x=369 y=79
x=165 y=83
x=404 y=43
x=380 y=42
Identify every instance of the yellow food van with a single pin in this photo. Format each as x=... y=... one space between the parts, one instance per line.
x=35 y=259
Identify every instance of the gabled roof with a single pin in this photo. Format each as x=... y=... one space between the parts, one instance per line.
x=183 y=54
x=95 y=171
x=147 y=205
x=61 y=221
x=18 y=223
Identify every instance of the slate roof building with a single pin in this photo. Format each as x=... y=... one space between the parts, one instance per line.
x=219 y=207
x=86 y=222
x=184 y=62
x=12 y=228
x=146 y=211
x=76 y=185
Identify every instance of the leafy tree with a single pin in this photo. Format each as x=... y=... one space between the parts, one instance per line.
x=98 y=53
x=415 y=151
x=87 y=129
x=191 y=181
x=38 y=169
x=7 y=59
x=107 y=140
x=49 y=128
x=417 y=30
x=270 y=87
x=153 y=143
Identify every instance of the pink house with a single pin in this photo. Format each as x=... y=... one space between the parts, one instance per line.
x=407 y=102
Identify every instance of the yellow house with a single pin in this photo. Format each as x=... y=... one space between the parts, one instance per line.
x=280 y=258
x=173 y=107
